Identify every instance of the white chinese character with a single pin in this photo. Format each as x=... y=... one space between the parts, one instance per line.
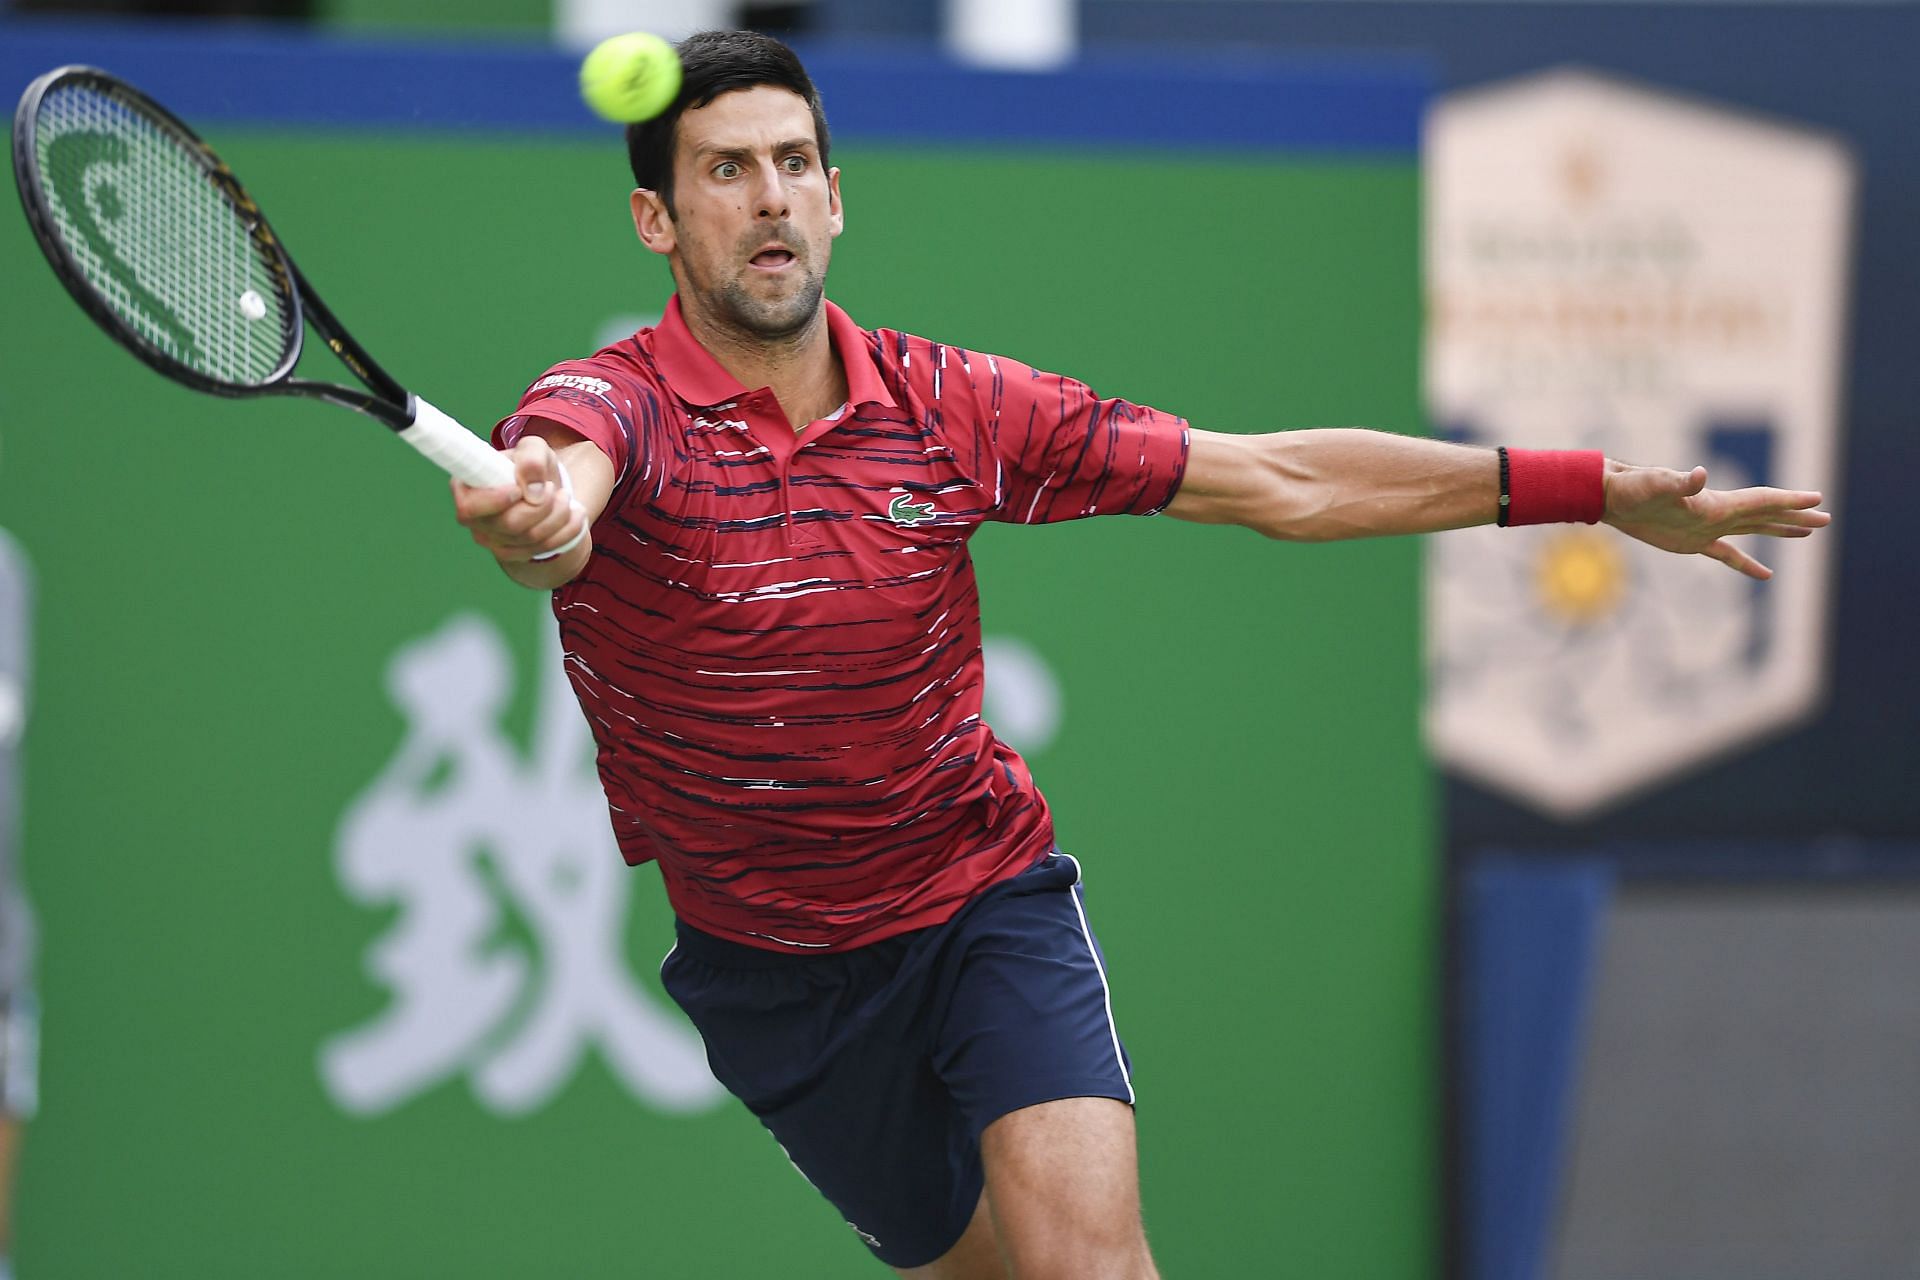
x=460 y=830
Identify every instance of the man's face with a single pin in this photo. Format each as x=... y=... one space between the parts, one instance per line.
x=754 y=213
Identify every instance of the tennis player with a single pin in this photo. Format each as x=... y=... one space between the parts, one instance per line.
x=753 y=518
x=19 y=1025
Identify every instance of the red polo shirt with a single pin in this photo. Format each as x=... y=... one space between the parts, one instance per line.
x=777 y=637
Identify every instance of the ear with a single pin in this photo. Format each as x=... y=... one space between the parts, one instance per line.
x=652 y=221
x=836 y=212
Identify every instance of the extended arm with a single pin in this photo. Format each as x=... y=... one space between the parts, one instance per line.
x=1316 y=486
x=534 y=515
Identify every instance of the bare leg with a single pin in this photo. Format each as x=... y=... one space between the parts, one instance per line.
x=975 y=1257
x=1063 y=1182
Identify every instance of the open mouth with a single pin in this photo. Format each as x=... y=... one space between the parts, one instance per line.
x=772 y=259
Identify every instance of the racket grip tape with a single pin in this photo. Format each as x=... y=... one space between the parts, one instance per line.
x=456 y=450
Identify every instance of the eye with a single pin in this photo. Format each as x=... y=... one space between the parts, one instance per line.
x=795 y=164
x=726 y=170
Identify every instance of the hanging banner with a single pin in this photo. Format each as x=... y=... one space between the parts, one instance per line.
x=1612 y=267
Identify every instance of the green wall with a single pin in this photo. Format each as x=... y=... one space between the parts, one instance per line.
x=468 y=17
x=224 y=584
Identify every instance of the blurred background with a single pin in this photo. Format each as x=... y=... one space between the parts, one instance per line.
x=1510 y=904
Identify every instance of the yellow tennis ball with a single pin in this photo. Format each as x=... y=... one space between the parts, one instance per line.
x=630 y=78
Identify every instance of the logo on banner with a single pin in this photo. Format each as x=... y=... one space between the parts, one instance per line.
x=504 y=961
x=1611 y=267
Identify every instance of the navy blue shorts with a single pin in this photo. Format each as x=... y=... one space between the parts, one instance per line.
x=876 y=1069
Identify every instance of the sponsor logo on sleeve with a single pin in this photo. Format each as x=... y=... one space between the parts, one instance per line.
x=573 y=382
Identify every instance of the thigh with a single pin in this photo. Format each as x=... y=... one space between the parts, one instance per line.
x=1063 y=1184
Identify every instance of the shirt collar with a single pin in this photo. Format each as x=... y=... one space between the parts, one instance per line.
x=697 y=378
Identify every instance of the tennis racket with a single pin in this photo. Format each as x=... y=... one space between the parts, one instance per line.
x=157 y=240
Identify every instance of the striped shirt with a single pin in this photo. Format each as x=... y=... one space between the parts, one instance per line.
x=776 y=640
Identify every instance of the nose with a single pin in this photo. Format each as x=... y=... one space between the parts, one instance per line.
x=770 y=195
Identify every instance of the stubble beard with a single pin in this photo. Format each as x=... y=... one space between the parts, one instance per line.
x=771 y=319
x=755 y=316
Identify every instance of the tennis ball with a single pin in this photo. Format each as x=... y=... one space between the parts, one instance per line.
x=630 y=78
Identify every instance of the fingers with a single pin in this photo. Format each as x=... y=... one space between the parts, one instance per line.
x=1769 y=528
x=536 y=468
x=1749 y=502
x=1734 y=558
x=560 y=519
x=1790 y=499
x=1771 y=518
x=472 y=503
x=533 y=515
x=529 y=529
x=1674 y=511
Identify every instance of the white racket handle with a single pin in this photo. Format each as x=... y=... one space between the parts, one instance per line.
x=456 y=450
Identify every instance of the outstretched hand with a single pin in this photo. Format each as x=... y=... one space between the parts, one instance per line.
x=1675 y=511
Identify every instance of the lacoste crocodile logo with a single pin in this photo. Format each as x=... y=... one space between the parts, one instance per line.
x=908 y=512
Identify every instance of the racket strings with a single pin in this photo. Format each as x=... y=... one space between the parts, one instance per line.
x=157 y=240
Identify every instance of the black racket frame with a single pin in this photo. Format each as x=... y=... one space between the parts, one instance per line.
x=385 y=400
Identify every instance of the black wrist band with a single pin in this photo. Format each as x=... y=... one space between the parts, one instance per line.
x=1506 y=491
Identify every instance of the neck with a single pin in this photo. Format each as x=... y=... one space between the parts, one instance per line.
x=801 y=368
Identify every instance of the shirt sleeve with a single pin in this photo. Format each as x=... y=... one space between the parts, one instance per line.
x=1060 y=452
x=603 y=407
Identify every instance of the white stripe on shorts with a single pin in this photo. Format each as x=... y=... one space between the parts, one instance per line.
x=1106 y=992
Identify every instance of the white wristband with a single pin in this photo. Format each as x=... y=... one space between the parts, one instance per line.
x=566 y=486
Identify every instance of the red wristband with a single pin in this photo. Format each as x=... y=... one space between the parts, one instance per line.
x=1551 y=486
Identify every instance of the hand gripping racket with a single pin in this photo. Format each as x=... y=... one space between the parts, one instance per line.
x=156 y=240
